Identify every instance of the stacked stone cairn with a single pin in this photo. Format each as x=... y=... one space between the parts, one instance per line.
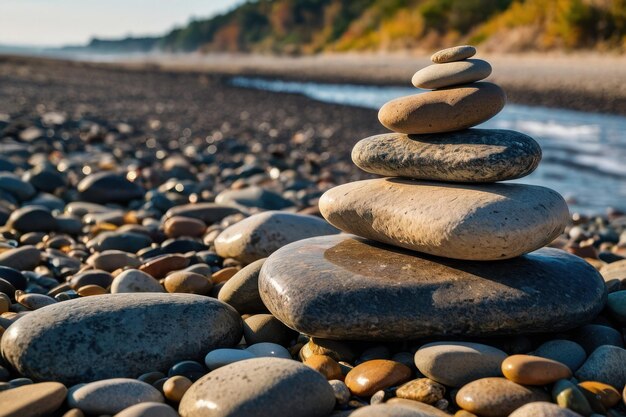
x=443 y=247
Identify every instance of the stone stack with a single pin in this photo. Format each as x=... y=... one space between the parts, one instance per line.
x=441 y=247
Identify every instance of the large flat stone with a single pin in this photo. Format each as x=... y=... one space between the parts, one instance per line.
x=473 y=155
x=474 y=222
x=451 y=73
x=118 y=335
x=354 y=289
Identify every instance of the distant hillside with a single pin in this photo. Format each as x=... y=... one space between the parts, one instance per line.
x=311 y=26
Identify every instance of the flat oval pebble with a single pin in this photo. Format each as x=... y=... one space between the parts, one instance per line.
x=423 y=408
x=263 y=387
x=496 y=397
x=208 y=213
x=134 y=280
x=187 y=282
x=108 y=187
x=32 y=219
x=33 y=400
x=564 y=351
x=266 y=349
x=371 y=376
x=324 y=365
x=455 y=53
x=570 y=396
x=110 y=260
x=443 y=110
x=261 y=328
x=222 y=357
x=178 y=226
x=533 y=370
x=456 y=363
x=473 y=155
x=111 y=396
x=543 y=409
x=451 y=73
x=352 y=289
x=79 y=340
x=242 y=290
x=386 y=410
x=148 y=409
x=24 y=258
x=258 y=236
x=473 y=222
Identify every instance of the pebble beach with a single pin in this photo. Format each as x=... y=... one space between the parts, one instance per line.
x=173 y=245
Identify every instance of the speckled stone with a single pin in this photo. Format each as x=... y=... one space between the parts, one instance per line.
x=424 y=390
x=111 y=396
x=371 y=376
x=258 y=236
x=473 y=222
x=443 y=110
x=472 y=155
x=451 y=73
x=605 y=364
x=543 y=409
x=134 y=280
x=79 y=340
x=386 y=410
x=33 y=400
x=534 y=370
x=455 y=53
x=148 y=409
x=352 y=289
x=564 y=351
x=263 y=387
x=456 y=363
x=496 y=397
x=187 y=282
x=241 y=291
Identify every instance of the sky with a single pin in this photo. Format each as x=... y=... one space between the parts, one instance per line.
x=63 y=22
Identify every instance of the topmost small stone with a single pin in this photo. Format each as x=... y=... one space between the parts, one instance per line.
x=456 y=53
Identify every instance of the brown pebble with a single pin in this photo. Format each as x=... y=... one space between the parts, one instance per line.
x=159 y=267
x=534 y=370
x=32 y=400
x=178 y=226
x=175 y=387
x=88 y=290
x=74 y=412
x=424 y=390
x=367 y=378
x=337 y=350
x=187 y=282
x=225 y=274
x=325 y=365
x=607 y=394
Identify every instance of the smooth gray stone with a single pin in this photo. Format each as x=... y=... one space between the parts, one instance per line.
x=254 y=196
x=108 y=187
x=565 y=351
x=260 y=387
x=451 y=73
x=605 y=364
x=455 y=53
x=592 y=336
x=14 y=185
x=118 y=335
x=207 y=212
x=149 y=409
x=472 y=155
x=242 y=290
x=24 y=258
x=124 y=241
x=349 y=288
x=111 y=396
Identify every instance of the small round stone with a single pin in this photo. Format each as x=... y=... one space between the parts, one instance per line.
x=224 y=274
x=568 y=395
x=190 y=369
x=266 y=349
x=424 y=390
x=110 y=260
x=178 y=226
x=89 y=290
x=455 y=53
x=367 y=378
x=534 y=370
x=324 y=365
x=148 y=409
x=134 y=280
x=564 y=351
x=187 y=282
x=160 y=266
x=608 y=395
x=543 y=409
x=222 y=357
x=110 y=396
x=341 y=391
x=242 y=290
x=175 y=387
x=266 y=328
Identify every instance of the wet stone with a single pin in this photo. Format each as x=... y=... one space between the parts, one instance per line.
x=367 y=378
x=105 y=187
x=110 y=396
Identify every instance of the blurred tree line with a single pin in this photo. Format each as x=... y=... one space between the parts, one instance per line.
x=312 y=26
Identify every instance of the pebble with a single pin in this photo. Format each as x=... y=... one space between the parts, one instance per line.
x=267 y=386
x=33 y=301
x=592 y=336
x=266 y=328
x=337 y=350
x=543 y=409
x=367 y=378
x=189 y=369
x=111 y=260
x=224 y=274
x=341 y=391
x=253 y=197
x=457 y=363
x=616 y=305
x=14 y=277
x=32 y=400
x=451 y=73
x=443 y=110
x=241 y=291
x=208 y=213
x=423 y=408
x=496 y=397
x=564 y=351
x=472 y=155
x=424 y=390
x=178 y=226
x=534 y=370
x=608 y=395
x=24 y=258
x=160 y=266
x=92 y=277
x=455 y=53
x=110 y=396
x=66 y=341
x=187 y=282
x=123 y=241
x=90 y=290
x=324 y=365
x=507 y=220
x=385 y=410
x=567 y=395
x=32 y=219
x=108 y=187
x=266 y=349
x=148 y=409
x=605 y=364
x=259 y=235
x=366 y=291
x=222 y=357
x=134 y=280
x=175 y=387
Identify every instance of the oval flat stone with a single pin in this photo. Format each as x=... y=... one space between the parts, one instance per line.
x=32 y=400
x=474 y=222
x=80 y=340
x=607 y=394
x=241 y=291
x=456 y=363
x=108 y=187
x=473 y=155
x=111 y=396
x=258 y=236
x=443 y=110
x=543 y=409
x=263 y=387
x=149 y=409
x=455 y=53
x=371 y=376
x=564 y=351
x=209 y=213
x=534 y=370
x=353 y=289
x=451 y=73
x=496 y=397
